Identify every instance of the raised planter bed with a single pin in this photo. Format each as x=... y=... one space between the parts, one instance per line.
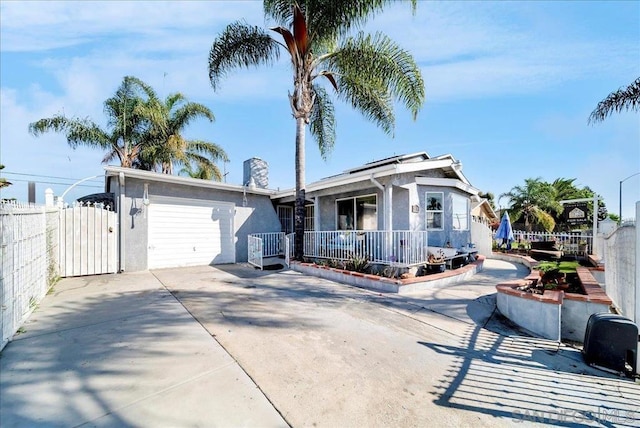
x=554 y=315
x=389 y=285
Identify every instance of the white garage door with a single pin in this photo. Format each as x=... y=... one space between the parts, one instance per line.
x=190 y=235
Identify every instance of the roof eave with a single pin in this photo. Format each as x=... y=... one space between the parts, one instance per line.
x=111 y=171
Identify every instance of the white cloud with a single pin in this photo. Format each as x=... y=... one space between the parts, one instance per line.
x=55 y=24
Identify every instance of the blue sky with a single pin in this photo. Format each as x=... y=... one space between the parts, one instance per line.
x=509 y=87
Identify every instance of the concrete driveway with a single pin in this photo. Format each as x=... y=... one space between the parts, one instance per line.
x=233 y=346
x=330 y=355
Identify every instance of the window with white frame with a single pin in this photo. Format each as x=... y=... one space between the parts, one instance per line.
x=359 y=213
x=460 y=209
x=434 y=210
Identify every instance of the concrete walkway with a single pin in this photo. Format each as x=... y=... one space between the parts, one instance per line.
x=233 y=346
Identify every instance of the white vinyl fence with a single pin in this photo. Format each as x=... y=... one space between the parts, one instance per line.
x=29 y=249
x=572 y=242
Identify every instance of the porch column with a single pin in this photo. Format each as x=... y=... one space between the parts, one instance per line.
x=316 y=213
x=388 y=206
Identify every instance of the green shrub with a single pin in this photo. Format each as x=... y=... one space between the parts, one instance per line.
x=358 y=264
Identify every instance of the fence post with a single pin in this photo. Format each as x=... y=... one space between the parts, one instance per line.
x=48 y=198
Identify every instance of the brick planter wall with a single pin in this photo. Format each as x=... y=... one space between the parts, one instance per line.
x=388 y=285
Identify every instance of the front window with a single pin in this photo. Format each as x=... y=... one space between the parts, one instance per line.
x=460 y=208
x=359 y=213
x=434 y=211
x=309 y=218
x=286 y=217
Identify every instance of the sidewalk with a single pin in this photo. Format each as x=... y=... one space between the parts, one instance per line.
x=120 y=350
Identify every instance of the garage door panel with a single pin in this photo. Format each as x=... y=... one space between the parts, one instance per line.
x=187 y=235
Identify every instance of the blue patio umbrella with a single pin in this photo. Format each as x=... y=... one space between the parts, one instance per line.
x=505 y=232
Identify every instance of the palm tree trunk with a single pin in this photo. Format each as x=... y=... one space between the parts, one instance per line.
x=300 y=190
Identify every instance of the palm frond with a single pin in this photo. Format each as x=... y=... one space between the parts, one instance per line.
x=240 y=45
x=370 y=97
x=207 y=170
x=77 y=131
x=188 y=112
x=623 y=99
x=210 y=150
x=322 y=122
x=379 y=58
x=327 y=19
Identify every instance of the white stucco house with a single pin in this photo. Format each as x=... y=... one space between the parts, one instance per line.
x=171 y=221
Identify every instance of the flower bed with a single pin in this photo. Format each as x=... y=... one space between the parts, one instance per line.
x=390 y=285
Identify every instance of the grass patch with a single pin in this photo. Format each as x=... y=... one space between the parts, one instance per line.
x=567 y=266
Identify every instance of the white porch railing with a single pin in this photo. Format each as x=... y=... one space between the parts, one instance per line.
x=272 y=243
x=396 y=247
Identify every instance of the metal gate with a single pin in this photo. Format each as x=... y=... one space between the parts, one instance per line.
x=288 y=248
x=88 y=241
x=255 y=251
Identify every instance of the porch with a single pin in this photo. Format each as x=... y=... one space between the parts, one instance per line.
x=397 y=249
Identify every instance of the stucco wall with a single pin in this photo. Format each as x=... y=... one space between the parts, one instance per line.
x=620 y=269
x=575 y=315
x=401 y=209
x=481 y=237
x=540 y=318
x=258 y=216
x=439 y=238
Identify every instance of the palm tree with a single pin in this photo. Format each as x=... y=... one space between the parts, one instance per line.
x=369 y=72
x=534 y=202
x=124 y=126
x=142 y=131
x=163 y=143
x=622 y=99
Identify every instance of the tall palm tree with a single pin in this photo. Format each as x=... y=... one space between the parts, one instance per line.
x=369 y=72
x=534 y=202
x=622 y=99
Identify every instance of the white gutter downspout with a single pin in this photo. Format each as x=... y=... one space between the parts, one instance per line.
x=385 y=222
x=121 y=220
